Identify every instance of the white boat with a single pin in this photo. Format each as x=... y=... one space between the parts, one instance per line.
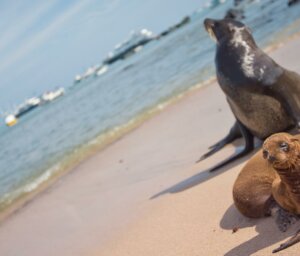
x=33 y=101
x=102 y=70
x=88 y=72
x=50 y=96
x=130 y=46
x=138 y=48
x=78 y=78
x=27 y=106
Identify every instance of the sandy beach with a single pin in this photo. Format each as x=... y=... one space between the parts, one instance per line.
x=144 y=194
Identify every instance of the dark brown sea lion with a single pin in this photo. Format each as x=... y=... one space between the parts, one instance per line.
x=263 y=96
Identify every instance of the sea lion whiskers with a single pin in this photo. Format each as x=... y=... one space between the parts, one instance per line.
x=211 y=34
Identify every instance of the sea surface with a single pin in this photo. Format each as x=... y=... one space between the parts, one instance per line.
x=97 y=111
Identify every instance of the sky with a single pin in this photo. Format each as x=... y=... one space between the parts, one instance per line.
x=44 y=44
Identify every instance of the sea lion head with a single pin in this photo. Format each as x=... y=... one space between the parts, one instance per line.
x=282 y=150
x=229 y=30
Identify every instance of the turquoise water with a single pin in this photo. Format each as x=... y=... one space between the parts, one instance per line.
x=100 y=107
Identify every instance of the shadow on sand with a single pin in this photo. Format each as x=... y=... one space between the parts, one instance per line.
x=201 y=177
x=268 y=233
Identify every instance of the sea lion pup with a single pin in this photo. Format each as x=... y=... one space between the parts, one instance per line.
x=263 y=96
x=282 y=151
x=252 y=190
x=252 y=193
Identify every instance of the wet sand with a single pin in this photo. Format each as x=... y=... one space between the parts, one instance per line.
x=144 y=194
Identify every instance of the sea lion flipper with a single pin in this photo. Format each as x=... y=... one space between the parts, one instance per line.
x=249 y=146
x=233 y=134
x=293 y=240
x=283 y=219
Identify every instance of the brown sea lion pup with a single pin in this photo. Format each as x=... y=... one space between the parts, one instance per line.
x=282 y=151
x=252 y=193
x=252 y=190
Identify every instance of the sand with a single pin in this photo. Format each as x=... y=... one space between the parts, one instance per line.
x=144 y=194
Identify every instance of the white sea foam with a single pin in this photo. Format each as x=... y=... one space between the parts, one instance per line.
x=37 y=182
x=8 y=198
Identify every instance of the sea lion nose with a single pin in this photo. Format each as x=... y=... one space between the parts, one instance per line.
x=271 y=159
x=208 y=23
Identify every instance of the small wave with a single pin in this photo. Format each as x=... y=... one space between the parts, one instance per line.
x=9 y=198
x=88 y=149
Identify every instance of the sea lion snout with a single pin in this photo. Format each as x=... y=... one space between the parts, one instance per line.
x=209 y=23
x=269 y=157
x=226 y=30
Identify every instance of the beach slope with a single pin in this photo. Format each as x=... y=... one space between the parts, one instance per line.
x=144 y=194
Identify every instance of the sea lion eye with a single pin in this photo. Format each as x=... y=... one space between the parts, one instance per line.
x=284 y=146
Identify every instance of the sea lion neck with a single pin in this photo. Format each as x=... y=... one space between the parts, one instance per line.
x=240 y=58
x=290 y=177
x=240 y=51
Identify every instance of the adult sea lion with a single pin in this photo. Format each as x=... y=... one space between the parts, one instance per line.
x=263 y=96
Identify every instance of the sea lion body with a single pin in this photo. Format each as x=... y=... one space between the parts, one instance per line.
x=283 y=195
x=259 y=107
x=252 y=190
x=262 y=115
x=263 y=96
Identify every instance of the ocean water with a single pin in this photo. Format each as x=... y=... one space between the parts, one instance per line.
x=97 y=111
